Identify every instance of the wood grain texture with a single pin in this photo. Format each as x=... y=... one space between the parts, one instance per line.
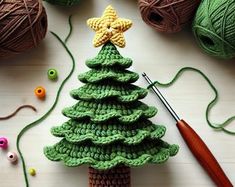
x=161 y=56
x=204 y=156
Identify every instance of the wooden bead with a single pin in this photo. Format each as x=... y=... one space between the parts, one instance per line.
x=12 y=157
x=40 y=92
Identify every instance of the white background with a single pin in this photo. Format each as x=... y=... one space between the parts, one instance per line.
x=159 y=55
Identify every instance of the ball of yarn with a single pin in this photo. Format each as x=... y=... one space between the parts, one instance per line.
x=23 y=24
x=63 y=2
x=168 y=15
x=214 y=27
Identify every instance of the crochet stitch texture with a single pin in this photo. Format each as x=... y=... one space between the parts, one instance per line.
x=109 y=126
x=109 y=28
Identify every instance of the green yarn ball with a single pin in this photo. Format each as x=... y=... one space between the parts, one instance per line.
x=63 y=2
x=214 y=27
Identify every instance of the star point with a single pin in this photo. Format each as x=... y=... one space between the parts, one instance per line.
x=109 y=27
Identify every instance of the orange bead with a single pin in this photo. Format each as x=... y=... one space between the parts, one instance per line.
x=40 y=92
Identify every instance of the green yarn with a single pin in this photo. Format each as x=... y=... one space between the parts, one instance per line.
x=217 y=126
x=63 y=2
x=33 y=124
x=108 y=132
x=95 y=75
x=98 y=111
x=214 y=27
x=70 y=29
x=123 y=93
x=109 y=126
x=104 y=157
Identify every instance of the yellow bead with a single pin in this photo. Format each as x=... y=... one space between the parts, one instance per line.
x=32 y=171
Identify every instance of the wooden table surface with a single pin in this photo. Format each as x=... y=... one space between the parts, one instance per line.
x=159 y=55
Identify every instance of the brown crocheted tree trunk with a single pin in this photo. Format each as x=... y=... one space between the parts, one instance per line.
x=116 y=177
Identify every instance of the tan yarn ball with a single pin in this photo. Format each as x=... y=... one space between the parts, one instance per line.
x=168 y=16
x=23 y=24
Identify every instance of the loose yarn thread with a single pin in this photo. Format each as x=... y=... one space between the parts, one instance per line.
x=17 y=110
x=167 y=15
x=214 y=27
x=216 y=126
x=31 y=125
x=70 y=29
x=23 y=24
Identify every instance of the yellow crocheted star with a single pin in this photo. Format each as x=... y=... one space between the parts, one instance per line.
x=109 y=28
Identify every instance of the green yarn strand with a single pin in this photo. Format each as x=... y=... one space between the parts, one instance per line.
x=216 y=126
x=29 y=126
x=70 y=29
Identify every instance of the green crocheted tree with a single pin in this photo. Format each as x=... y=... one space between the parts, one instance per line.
x=109 y=126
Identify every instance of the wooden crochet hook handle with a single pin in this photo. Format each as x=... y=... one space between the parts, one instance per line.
x=195 y=144
x=203 y=155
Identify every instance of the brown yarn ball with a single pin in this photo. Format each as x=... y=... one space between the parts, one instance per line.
x=23 y=24
x=168 y=15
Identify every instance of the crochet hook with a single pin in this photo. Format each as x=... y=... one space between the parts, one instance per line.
x=195 y=144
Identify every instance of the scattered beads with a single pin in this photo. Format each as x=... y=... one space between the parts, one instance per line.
x=12 y=157
x=32 y=171
x=52 y=74
x=3 y=143
x=36 y=122
x=40 y=92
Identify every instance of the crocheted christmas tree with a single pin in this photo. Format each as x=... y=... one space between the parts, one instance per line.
x=109 y=126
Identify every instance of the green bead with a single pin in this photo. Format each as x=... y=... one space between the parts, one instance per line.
x=52 y=74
